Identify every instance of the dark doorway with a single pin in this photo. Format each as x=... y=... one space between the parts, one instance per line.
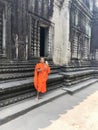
x=42 y=41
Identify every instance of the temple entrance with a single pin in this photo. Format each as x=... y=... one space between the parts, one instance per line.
x=43 y=41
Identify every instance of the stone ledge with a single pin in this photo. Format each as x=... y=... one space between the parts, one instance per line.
x=26 y=81
x=77 y=73
x=75 y=88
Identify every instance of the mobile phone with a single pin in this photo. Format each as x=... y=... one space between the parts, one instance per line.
x=46 y=62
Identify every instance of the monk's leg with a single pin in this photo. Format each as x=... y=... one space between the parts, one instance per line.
x=37 y=95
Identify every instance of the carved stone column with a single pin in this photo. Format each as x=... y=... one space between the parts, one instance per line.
x=4 y=34
x=35 y=37
x=32 y=23
x=26 y=47
x=36 y=40
x=50 y=41
x=85 y=48
x=16 y=45
x=38 y=44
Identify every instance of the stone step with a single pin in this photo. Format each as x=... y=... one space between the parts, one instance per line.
x=18 y=67
x=79 y=86
x=21 y=63
x=18 y=109
x=22 y=95
x=73 y=69
x=21 y=66
x=77 y=73
x=11 y=63
x=18 y=75
x=16 y=81
x=78 y=68
x=27 y=80
x=10 y=70
x=19 y=96
x=71 y=78
x=16 y=90
x=70 y=82
x=10 y=76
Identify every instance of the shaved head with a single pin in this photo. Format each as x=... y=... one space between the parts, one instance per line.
x=42 y=59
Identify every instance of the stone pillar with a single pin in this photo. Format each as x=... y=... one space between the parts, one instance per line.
x=26 y=47
x=16 y=45
x=96 y=54
x=4 y=34
x=66 y=30
x=61 y=18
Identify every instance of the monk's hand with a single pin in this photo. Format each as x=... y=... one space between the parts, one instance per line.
x=39 y=70
x=45 y=67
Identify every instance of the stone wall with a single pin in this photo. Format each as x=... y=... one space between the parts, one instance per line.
x=80 y=32
x=72 y=35
x=61 y=35
x=5 y=29
x=66 y=26
x=94 y=39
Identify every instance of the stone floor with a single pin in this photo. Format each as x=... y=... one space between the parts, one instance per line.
x=82 y=117
x=69 y=112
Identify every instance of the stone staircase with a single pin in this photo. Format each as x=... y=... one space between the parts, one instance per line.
x=16 y=86
x=16 y=81
x=77 y=78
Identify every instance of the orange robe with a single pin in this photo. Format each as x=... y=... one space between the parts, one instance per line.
x=41 y=77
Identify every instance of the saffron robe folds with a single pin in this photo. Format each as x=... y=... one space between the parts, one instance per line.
x=41 y=77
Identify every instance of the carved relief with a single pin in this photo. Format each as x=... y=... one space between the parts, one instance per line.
x=80 y=23
x=43 y=8
x=75 y=45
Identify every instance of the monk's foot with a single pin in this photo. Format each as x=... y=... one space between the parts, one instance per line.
x=39 y=97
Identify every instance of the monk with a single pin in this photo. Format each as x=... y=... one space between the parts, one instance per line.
x=40 y=76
